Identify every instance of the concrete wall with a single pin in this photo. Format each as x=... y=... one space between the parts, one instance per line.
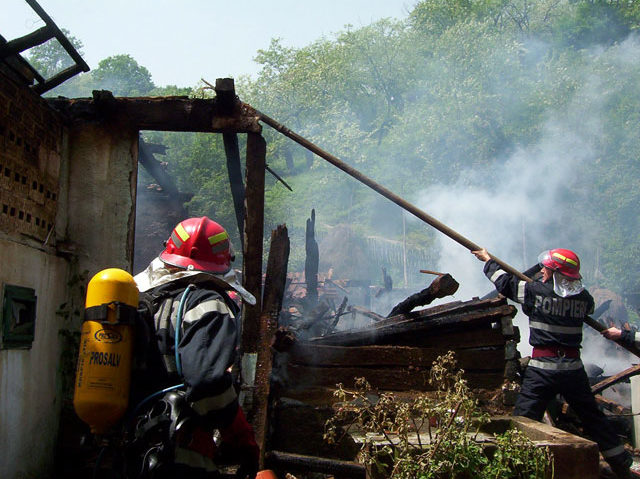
x=101 y=200
x=67 y=209
x=30 y=398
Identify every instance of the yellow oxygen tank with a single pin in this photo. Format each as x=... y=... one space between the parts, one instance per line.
x=103 y=373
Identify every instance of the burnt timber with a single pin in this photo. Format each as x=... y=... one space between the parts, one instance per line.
x=397 y=353
x=175 y=113
x=394 y=355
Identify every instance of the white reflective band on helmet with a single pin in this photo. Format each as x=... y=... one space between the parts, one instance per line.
x=496 y=275
x=614 y=451
x=552 y=366
x=194 y=459
x=520 y=296
x=555 y=329
x=212 y=305
x=214 y=403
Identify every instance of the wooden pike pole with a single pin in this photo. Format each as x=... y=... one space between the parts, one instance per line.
x=414 y=210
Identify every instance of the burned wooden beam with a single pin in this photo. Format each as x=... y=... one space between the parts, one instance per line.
x=399 y=378
x=177 y=113
x=28 y=41
x=471 y=338
x=234 y=170
x=60 y=36
x=285 y=461
x=367 y=313
x=607 y=404
x=253 y=238
x=612 y=406
x=58 y=79
x=314 y=323
x=311 y=261
x=444 y=285
x=310 y=354
x=226 y=97
x=458 y=316
x=337 y=316
x=273 y=293
x=156 y=170
x=616 y=378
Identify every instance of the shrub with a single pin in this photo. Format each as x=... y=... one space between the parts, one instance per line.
x=451 y=419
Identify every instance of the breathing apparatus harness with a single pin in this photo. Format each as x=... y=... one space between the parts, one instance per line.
x=154 y=432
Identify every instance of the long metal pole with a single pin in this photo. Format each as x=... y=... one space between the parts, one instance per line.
x=414 y=210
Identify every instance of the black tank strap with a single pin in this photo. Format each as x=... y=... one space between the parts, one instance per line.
x=125 y=314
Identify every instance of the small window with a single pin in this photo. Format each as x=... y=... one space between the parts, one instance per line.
x=18 y=317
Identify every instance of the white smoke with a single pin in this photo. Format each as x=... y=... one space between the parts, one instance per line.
x=511 y=208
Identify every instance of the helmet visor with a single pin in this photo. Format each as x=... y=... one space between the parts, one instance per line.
x=544 y=259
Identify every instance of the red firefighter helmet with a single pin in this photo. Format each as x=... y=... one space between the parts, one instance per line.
x=564 y=261
x=199 y=244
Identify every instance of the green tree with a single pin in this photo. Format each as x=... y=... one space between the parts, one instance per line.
x=123 y=76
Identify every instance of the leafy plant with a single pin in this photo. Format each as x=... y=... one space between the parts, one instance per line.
x=432 y=437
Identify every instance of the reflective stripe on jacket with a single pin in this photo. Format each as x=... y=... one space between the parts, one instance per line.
x=553 y=320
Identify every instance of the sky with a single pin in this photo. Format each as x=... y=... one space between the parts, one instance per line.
x=182 y=42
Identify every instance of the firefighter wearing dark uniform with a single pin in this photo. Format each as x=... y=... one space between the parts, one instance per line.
x=556 y=307
x=192 y=311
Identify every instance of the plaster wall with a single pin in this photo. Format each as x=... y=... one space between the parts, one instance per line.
x=30 y=399
x=101 y=200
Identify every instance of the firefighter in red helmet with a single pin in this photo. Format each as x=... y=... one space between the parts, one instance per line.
x=194 y=322
x=556 y=306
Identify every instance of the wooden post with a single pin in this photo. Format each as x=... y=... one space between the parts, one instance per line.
x=253 y=237
x=234 y=169
x=252 y=265
x=273 y=293
x=311 y=263
x=227 y=100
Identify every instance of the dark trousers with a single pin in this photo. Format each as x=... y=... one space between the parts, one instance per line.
x=540 y=386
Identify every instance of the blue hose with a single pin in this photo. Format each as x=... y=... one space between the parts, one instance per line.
x=178 y=327
x=153 y=395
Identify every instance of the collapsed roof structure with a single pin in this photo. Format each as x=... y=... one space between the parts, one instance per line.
x=68 y=196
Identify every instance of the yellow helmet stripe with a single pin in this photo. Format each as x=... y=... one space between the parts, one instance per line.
x=217 y=238
x=565 y=259
x=181 y=232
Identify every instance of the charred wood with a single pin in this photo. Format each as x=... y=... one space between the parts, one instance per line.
x=285 y=461
x=234 y=170
x=337 y=316
x=253 y=239
x=158 y=172
x=310 y=354
x=453 y=317
x=367 y=313
x=484 y=336
x=612 y=406
x=284 y=340
x=616 y=378
x=388 y=378
x=440 y=287
x=311 y=261
x=161 y=113
x=272 y=302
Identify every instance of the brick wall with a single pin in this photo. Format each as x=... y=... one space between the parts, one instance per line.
x=30 y=150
